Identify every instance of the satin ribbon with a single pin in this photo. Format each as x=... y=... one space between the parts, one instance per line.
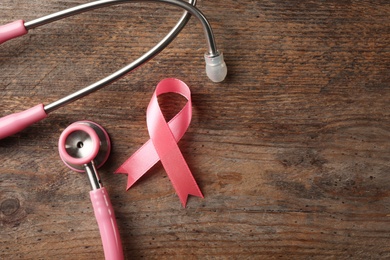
x=162 y=145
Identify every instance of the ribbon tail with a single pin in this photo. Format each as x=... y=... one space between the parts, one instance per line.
x=139 y=163
x=183 y=195
x=132 y=177
x=180 y=176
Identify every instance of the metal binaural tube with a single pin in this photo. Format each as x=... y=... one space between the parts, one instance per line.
x=190 y=9
x=216 y=68
x=141 y=60
x=93 y=176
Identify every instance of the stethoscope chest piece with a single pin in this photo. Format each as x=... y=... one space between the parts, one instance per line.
x=84 y=142
x=84 y=146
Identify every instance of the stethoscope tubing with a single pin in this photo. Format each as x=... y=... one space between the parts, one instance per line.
x=108 y=227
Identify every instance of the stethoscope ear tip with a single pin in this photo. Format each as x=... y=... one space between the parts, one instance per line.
x=216 y=68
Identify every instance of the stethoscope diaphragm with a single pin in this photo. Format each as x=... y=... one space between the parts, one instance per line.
x=82 y=142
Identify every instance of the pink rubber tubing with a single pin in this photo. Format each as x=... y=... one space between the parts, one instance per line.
x=12 y=30
x=15 y=123
x=105 y=217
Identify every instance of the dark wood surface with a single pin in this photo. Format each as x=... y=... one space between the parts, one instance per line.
x=292 y=150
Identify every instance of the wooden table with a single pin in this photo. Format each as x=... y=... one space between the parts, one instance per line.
x=291 y=151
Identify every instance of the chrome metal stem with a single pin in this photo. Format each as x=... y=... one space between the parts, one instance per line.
x=93 y=176
x=188 y=7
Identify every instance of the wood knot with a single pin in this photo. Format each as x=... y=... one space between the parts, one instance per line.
x=9 y=206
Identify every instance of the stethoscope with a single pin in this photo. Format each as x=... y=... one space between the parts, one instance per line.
x=84 y=146
x=216 y=68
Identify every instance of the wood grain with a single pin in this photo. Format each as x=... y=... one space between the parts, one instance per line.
x=291 y=151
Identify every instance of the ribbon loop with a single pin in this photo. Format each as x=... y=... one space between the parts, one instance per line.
x=162 y=145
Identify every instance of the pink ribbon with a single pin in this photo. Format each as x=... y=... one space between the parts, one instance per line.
x=162 y=145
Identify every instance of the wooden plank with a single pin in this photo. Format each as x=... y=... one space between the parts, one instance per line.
x=291 y=151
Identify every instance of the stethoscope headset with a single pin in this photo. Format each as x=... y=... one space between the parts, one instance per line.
x=84 y=146
x=215 y=65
